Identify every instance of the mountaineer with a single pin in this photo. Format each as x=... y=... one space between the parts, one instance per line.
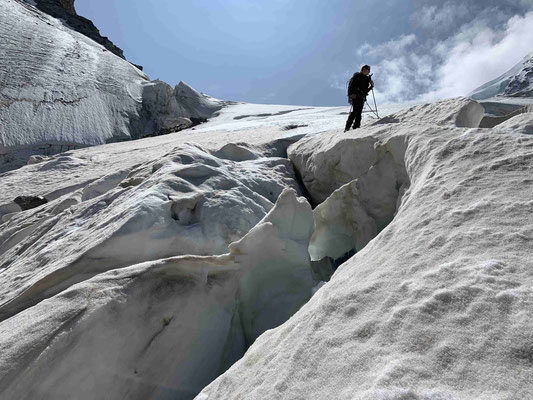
x=358 y=88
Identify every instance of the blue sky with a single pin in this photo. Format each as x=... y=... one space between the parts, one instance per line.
x=303 y=51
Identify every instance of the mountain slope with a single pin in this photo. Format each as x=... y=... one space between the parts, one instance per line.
x=65 y=10
x=60 y=90
x=517 y=82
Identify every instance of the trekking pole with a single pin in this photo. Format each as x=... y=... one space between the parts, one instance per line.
x=375 y=104
x=373 y=111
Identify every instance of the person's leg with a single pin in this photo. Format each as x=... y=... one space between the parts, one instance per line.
x=358 y=105
x=351 y=118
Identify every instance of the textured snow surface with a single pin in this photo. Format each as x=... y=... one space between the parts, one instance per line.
x=189 y=196
x=440 y=304
x=187 y=202
x=158 y=262
x=161 y=329
x=61 y=90
x=522 y=123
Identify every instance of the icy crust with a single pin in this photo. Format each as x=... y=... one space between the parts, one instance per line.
x=354 y=214
x=65 y=91
x=521 y=123
x=460 y=112
x=162 y=329
x=187 y=202
x=438 y=305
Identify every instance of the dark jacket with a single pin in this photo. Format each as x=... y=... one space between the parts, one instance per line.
x=359 y=85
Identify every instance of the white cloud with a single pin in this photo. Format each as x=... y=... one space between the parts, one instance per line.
x=480 y=55
x=440 y=19
x=392 y=47
x=455 y=46
x=448 y=65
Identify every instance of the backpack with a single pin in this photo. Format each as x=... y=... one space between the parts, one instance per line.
x=349 y=84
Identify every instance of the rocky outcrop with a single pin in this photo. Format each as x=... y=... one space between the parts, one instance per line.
x=29 y=202
x=68 y=5
x=521 y=85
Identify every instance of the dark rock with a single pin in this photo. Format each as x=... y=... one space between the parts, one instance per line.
x=293 y=126
x=29 y=202
x=139 y=67
x=521 y=85
x=174 y=125
x=68 y=5
x=197 y=120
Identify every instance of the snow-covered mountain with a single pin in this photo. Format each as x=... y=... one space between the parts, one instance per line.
x=61 y=90
x=203 y=263
x=517 y=82
x=65 y=10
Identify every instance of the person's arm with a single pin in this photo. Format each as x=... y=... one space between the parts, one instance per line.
x=369 y=86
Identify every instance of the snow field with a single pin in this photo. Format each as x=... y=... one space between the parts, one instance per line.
x=186 y=200
x=226 y=244
x=186 y=203
x=438 y=305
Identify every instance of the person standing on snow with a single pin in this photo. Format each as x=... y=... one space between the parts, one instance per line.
x=358 y=88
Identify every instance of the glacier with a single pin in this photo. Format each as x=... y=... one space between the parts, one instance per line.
x=437 y=304
x=437 y=213
x=262 y=254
